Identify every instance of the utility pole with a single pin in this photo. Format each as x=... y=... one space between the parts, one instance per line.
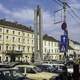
x=64 y=38
x=64 y=28
x=38 y=41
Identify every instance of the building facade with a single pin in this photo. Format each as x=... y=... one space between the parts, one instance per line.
x=16 y=41
x=76 y=46
x=50 y=48
x=17 y=44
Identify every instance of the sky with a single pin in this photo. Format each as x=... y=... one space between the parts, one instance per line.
x=22 y=11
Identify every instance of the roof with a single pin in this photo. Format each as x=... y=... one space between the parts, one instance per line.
x=75 y=42
x=15 y=25
x=69 y=47
x=49 y=38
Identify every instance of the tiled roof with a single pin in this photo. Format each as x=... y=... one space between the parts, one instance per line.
x=49 y=38
x=15 y=25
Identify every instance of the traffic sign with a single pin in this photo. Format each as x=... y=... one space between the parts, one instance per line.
x=63 y=48
x=64 y=43
x=64 y=39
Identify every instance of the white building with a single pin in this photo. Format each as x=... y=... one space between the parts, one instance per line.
x=17 y=44
x=50 y=48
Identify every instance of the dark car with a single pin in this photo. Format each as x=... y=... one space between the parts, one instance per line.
x=11 y=74
x=46 y=68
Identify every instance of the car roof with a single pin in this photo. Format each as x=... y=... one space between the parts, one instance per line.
x=47 y=64
x=31 y=66
x=59 y=64
x=53 y=64
x=8 y=69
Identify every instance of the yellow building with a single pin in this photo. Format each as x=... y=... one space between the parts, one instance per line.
x=50 y=48
x=16 y=41
x=17 y=44
x=76 y=46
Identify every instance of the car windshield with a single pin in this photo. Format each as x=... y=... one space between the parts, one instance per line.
x=37 y=69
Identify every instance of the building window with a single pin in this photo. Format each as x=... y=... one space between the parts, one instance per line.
x=13 y=46
x=28 y=48
x=56 y=50
x=32 y=35
x=55 y=44
x=13 y=32
x=28 y=35
x=28 y=41
x=7 y=31
x=7 y=37
x=19 y=40
x=7 y=47
x=49 y=50
x=18 y=33
x=0 y=37
x=10 y=48
x=0 y=47
x=0 y=30
x=23 y=48
x=19 y=47
x=52 y=50
x=32 y=41
x=23 y=34
x=0 y=58
x=6 y=59
x=13 y=39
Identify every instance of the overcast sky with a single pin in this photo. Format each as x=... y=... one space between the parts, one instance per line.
x=22 y=11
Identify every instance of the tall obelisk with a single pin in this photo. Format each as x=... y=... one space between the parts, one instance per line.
x=38 y=41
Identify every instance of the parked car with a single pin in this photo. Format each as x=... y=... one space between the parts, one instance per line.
x=59 y=67
x=11 y=74
x=35 y=73
x=56 y=67
x=47 y=67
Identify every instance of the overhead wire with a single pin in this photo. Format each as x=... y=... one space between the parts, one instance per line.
x=59 y=1
x=73 y=17
x=73 y=12
x=57 y=11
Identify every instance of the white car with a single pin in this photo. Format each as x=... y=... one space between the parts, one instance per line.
x=35 y=73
